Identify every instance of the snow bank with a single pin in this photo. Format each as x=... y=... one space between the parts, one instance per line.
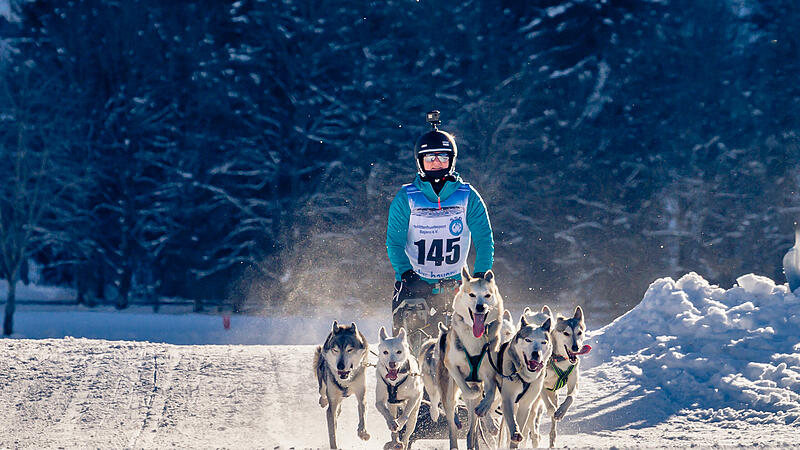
x=734 y=352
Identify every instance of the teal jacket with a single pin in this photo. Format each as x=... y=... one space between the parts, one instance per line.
x=477 y=221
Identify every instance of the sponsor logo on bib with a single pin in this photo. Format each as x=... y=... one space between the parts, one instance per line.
x=456 y=226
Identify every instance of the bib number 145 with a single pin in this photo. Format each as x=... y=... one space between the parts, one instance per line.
x=439 y=251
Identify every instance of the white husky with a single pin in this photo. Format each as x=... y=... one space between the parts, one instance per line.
x=398 y=392
x=475 y=332
x=521 y=374
x=508 y=329
x=339 y=365
x=562 y=370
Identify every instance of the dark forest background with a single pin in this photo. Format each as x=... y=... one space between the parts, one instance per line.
x=246 y=152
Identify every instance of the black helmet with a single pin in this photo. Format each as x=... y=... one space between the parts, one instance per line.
x=435 y=141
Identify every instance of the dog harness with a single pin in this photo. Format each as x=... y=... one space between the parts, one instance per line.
x=475 y=363
x=392 y=389
x=499 y=370
x=563 y=375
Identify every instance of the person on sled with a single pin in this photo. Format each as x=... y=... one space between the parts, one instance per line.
x=431 y=224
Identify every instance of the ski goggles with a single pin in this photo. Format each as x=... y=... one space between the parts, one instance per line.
x=431 y=157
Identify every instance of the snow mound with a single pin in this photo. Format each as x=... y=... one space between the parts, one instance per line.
x=735 y=352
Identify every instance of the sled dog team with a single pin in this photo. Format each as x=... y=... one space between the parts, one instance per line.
x=483 y=356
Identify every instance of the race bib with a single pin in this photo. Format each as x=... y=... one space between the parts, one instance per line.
x=438 y=236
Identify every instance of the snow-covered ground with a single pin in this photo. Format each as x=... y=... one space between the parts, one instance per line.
x=691 y=365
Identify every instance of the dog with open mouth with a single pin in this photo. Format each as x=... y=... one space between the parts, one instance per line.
x=520 y=375
x=562 y=371
x=398 y=392
x=339 y=365
x=473 y=335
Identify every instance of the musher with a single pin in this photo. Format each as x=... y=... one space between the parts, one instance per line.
x=431 y=224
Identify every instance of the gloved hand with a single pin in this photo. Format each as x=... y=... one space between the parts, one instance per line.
x=478 y=274
x=414 y=285
x=409 y=276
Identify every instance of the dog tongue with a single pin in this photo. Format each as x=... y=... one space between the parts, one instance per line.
x=391 y=374
x=477 y=325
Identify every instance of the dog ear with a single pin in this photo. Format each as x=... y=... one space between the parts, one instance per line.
x=354 y=327
x=578 y=313
x=546 y=310
x=527 y=311
x=335 y=327
x=489 y=276
x=465 y=275
x=383 y=334
x=546 y=325
x=402 y=334
x=507 y=316
x=442 y=328
x=523 y=321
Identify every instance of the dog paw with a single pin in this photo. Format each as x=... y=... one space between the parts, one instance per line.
x=392 y=445
x=393 y=425
x=363 y=435
x=560 y=413
x=457 y=421
x=516 y=437
x=323 y=402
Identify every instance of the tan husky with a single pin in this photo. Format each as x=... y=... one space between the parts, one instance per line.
x=472 y=337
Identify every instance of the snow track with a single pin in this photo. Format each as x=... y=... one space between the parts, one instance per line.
x=104 y=394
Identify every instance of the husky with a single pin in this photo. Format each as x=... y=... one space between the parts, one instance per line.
x=562 y=370
x=521 y=374
x=429 y=356
x=507 y=329
x=398 y=392
x=339 y=365
x=539 y=317
x=474 y=333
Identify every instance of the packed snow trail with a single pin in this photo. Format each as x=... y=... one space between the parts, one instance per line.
x=90 y=393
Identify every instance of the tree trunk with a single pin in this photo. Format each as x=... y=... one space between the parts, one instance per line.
x=8 y=321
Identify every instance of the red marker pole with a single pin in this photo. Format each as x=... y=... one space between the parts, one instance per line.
x=226 y=321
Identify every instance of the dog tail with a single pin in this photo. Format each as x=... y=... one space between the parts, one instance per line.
x=319 y=366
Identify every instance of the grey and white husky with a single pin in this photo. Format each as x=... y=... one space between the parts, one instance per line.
x=561 y=371
x=473 y=335
x=339 y=365
x=431 y=368
x=398 y=392
x=521 y=374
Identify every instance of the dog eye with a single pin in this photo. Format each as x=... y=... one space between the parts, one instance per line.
x=471 y=294
x=487 y=295
x=566 y=334
x=386 y=352
x=399 y=352
x=544 y=342
x=335 y=350
x=580 y=332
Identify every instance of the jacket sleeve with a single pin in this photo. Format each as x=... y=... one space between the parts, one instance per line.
x=481 y=230
x=397 y=233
